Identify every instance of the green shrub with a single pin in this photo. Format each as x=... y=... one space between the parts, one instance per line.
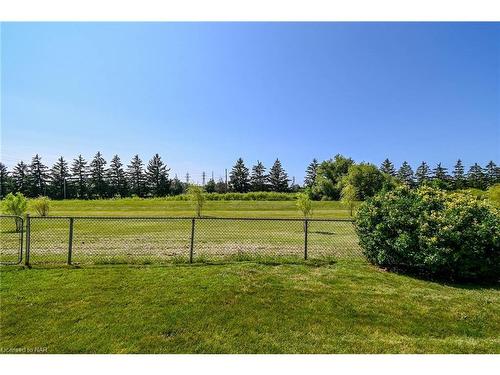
x=41 y=205
x=452 y=235
x=15 y=205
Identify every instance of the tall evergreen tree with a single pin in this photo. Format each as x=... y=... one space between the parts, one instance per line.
x=422 y=174
x=278 y=179
x=21 y=178
x=459 y=181
x=80 y=174
x=176 y=186
x=492 y=173
x=210 y=186
x=311 y=173
x=59 y=174
x=38 y=176
x=388 y=168
x=137 y=180
x=258 y=178
x=405 y=174
x=220 y=186
x=4 y=176
x=157 y=176
x=116 y=177
x=98 y=175
x=440 y=173
x=239 y=180
x=475 y=177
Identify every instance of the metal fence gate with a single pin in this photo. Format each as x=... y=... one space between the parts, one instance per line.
x=11 y=239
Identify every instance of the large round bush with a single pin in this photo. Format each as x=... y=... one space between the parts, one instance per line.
x=454 y=235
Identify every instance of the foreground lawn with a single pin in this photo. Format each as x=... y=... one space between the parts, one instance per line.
x=345 y=307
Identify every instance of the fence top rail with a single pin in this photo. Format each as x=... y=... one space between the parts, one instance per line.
x=191 y=218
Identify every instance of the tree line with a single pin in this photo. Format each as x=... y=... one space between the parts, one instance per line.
x=340 y=176
x=326 y=180
x=98 y=179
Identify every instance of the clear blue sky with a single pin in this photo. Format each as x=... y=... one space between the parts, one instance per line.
x=204 y=94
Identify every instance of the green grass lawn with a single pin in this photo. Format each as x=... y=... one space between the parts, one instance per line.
x=343 y=307
x=164 y=207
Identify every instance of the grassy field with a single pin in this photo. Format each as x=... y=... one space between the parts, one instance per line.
x=164 y=207
x=343 y=307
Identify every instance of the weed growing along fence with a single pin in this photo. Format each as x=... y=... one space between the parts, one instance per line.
x=81 y=240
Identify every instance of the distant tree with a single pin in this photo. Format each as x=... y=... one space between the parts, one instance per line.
x=492 y=173
x=388 y=168
x=311 y=173
x=459 y=181
x=475 y=177
x=176 y=186
x=4 y=176
x=405 y=174
x=210 y=186
x=97 y=175
x=366 y=180
x=116 y=178
x=220 y=186
x=38 y=177
x=278 y=178
x=440 y=173
x=348 y=197
x=21 y=178
x=59 y=174
x=422 y=174
x=239 y=177
x=136 y=177
x=197 y=198
x=258 y=178
x=80 y=174
x=328 y=180
x=304 y=204
x=157 y=176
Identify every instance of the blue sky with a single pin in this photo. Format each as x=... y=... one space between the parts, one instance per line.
x=204 y=94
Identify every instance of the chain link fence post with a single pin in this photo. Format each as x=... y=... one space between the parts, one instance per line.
x=305 y=238
x=192 y=241
x=70 y=242
x=28 y=239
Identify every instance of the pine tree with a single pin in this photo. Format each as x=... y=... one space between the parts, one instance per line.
x=116 y=178
x=258 y=179
x=80 y=173
x=21 y=178
x=157 y=176
x=440 y=173
x=278 y=179
x=38 y=177
x=388 y=168
x=459 y=181
x=492 y=173
x=475 y=177
x=405 y=174
x=210 y=186
x=220 y=186
x=136 y=176
x=97 y=175
x=311 y=173
x=4 y=176
x=59 y=174
x=239 y=177
x=422 y=174
x=176 y=186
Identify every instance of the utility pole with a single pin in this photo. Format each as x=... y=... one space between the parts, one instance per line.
x=293 y=180
x=64 y=187
x=226 y=178
x=187 y=178
x=213 y=176
x=203 y=179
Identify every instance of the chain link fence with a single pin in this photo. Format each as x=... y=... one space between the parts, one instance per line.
x=11 y=239
x=148 y=240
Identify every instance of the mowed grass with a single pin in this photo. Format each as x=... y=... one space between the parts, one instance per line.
x=164 y=207
x=245 y=307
